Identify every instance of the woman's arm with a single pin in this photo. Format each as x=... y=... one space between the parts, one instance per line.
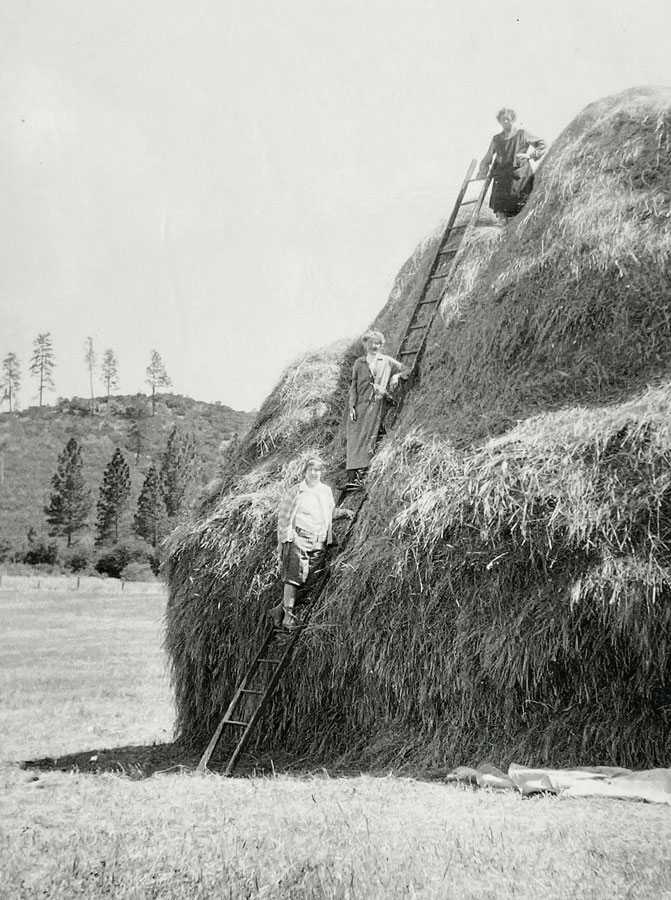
x=487 y=161
x=284 y=527
x=398 y=371
x=353 y=391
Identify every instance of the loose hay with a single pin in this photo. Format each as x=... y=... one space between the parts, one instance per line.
x=507 y=590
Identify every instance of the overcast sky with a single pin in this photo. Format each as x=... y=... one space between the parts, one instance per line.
x=234 y=182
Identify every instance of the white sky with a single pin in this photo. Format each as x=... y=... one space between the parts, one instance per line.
x=233 y=182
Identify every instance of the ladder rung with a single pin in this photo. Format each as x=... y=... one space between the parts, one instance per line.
x=417 y=327
x=468 y=202
x=235 y=722
x=450 y=250
x=269 y=660
x=250 y=691
x=427 y=303
x=436 y=277
x=408 y=353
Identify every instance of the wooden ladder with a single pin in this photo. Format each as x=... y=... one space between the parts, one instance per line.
x=262 y=677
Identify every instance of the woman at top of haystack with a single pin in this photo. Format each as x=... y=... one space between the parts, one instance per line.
x=304 y=532
x=374 y=377
x=511 y=151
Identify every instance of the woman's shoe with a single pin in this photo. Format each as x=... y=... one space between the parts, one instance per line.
x=291 y=623
x=276 y=614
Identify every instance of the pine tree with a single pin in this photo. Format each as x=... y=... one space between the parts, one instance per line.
x=157 y=377
x=11 y=379
x=42 y=363
x=90 y=363
x=110 y=371
x=151 y=519
x=137 y=433
x=70 y=500
x=113 y=499
x=179 y=471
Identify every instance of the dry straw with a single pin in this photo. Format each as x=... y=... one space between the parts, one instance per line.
x=507 y=594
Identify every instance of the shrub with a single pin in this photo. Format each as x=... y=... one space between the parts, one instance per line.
x=77 y=560
x=137 y=571
x=115 y=560
x=5 y=549
x=41 y=554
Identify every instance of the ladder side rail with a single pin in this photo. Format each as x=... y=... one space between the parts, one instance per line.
x=437 y=258
x=448 y=228
x=460 y=199
x=419 y=352
x=284 y=660
x=263 y=702
x=489 y=177
x=209 y=750
x=205 y=758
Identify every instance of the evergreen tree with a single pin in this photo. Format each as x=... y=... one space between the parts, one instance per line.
x=138 y=431
x=179 y=471
x=70 y=499
x=110 y=371
x=113 y=499
x=90 y=363
x=157 y=377
x=11 y=379
x=151 y=519
x=42 y=363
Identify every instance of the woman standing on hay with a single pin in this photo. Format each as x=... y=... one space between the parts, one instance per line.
x=374 y=377
x=303 y=535
x=511 y=151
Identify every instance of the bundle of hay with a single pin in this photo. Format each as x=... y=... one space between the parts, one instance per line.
x=507 y=591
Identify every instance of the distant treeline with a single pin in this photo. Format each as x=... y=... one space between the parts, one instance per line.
x=105 y=371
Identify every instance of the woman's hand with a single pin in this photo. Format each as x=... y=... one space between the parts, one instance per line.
x=352 y=413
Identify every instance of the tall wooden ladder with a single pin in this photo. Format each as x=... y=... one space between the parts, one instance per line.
x=263 y=675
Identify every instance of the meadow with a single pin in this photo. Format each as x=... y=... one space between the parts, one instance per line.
x=82 y=677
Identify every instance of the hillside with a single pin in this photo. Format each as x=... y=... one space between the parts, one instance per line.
x=507 y=591
x=31 y=440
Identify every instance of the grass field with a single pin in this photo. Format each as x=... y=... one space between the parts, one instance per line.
x=81 y=675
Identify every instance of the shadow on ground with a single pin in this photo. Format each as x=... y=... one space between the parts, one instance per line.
x=138 y=762
x=135 y=761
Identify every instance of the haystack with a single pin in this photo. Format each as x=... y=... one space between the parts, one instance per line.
x=507 y=593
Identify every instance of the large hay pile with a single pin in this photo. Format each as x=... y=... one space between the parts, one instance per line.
x=508 y=589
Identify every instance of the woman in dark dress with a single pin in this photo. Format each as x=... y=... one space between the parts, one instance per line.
x=374 y=378
x=511 y=151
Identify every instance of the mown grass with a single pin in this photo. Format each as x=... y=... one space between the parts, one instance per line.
x=80 y=671
x=177 y=836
